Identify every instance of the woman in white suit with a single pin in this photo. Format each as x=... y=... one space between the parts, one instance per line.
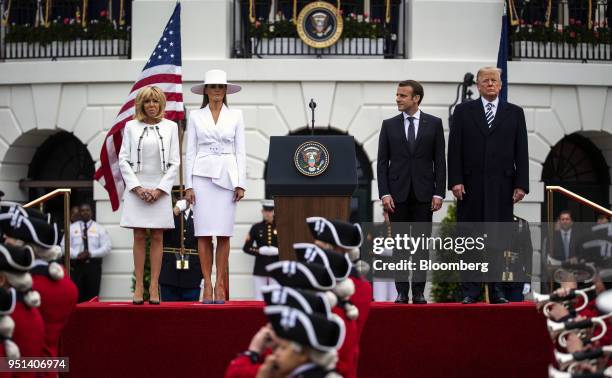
x=149 y=162
x=215 y=175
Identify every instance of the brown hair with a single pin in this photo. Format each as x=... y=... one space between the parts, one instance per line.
x=205 y=100
x=143 y=96
x=417 y=88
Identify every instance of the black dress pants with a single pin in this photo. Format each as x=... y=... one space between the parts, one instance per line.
x=414 y=211
x=86 y=275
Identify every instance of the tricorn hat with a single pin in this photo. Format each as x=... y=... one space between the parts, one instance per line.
x=306 y=301
x=312 y=330
x=335 y=232
x=303 y=276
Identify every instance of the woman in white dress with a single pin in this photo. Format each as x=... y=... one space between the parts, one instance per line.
x=215 y=175
x=149 y=162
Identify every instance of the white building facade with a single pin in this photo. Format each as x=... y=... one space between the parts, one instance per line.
x=444 y=39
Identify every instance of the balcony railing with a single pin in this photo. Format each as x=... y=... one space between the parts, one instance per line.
x=64 y=29
x=262 y=32
x=560 y=30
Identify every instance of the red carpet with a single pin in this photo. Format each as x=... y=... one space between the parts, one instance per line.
x=185 y=340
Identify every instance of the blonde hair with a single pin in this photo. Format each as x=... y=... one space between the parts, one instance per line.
x=145 y=94
x=488 y=69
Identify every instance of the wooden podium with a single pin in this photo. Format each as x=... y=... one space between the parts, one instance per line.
x=298 y=196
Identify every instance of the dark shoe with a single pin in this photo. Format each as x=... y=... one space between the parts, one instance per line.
x=401 y=298
x=500 y=300
x=468 y=300
x=137 y=302
x=154 y=301
x=419 y=299
x=207 y=301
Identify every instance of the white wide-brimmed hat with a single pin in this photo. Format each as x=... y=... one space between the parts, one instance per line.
x=216 y=77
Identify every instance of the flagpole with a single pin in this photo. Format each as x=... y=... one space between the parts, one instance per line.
x=181 y=132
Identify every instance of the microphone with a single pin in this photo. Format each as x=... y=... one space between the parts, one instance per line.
x=312 y=105
x=468 y=79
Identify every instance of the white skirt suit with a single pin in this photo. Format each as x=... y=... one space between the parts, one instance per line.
x=215 y=164
x=149 y=157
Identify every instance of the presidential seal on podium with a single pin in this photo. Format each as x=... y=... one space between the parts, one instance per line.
x=311 y=158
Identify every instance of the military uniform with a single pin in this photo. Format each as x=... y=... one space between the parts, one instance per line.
x=518 y=262
x=180 y=284
x=262 y=234
x=29 y=332
x=58 y=299
x=348 y=237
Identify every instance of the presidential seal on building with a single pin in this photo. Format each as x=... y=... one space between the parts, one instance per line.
x=318 y=24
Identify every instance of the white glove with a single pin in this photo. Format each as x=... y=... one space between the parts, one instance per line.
x=526 y=289
x=181 y=204
x=267 y=250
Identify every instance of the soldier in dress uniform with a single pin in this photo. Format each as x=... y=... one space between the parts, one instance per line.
x=516 y=277
x=180 y=277
x=8 y=348
x=58 y=294
x=346 y=238
x=307 y=344
x=15 y=263
x=303 y=302
x=262 y=242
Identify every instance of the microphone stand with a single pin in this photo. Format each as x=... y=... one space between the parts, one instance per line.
x=312 y=105
x=466 y=94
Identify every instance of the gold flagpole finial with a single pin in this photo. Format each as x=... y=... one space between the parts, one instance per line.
x=514 y=20
x=548 y=13
x=121 y=14
x=84 y=18
x=48 y=6
x=251 y=11
x=387 y=11
x=591 y=14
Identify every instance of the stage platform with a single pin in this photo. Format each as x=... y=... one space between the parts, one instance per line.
x=195 y=340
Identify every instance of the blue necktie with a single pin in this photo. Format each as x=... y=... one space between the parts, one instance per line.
x=489 y=114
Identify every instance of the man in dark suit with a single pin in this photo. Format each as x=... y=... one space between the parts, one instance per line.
x=566 y=239
x=488 y=162
x=411 y=172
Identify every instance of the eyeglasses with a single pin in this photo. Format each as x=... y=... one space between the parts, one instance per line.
x=216 y=86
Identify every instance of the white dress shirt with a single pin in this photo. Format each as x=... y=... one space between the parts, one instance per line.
x=98 y=240
x=494 y=102
x=416 y=117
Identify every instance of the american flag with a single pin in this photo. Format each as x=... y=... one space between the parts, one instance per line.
x=163 y=70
